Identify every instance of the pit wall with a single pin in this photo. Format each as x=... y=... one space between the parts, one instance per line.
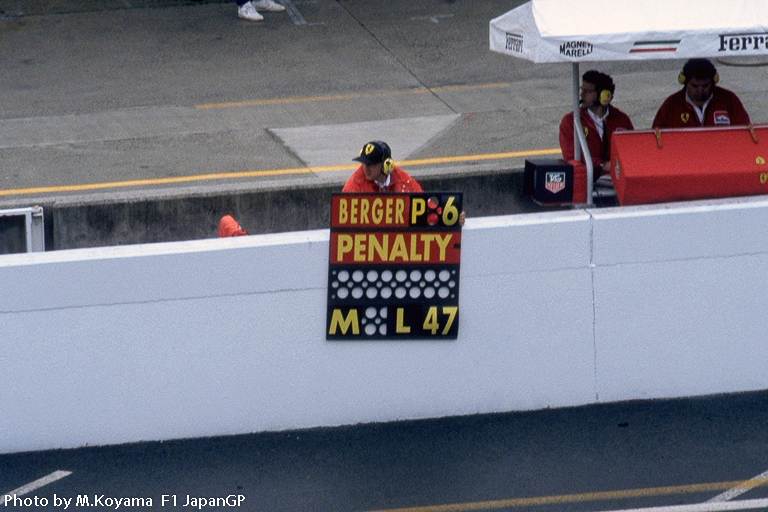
x=213 y=337
x=140 y=217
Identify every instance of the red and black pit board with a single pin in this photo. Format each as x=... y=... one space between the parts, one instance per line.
x=393 y=268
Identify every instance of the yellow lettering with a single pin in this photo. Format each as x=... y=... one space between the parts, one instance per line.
x=442 y=243
x=427 y=239
x=376 y=211
x=418 y=207
x=451 y=312
x=362 y=211
x=400 y=328
x=398 y=249
x=378 y=248
x=402 y=247
x=343 y=214
x=430 y=322
x=364 y=205
x=353 y=212
x=359 y=254
x=343 y=246
x=415 y=256
x=338 y=320
x=450 y=213
x=399 y=210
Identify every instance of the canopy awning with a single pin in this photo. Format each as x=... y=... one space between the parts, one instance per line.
x=548 y=31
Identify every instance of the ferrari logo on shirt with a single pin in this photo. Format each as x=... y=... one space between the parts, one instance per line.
x=586 y=131
x=685 y=116
x=763 y=177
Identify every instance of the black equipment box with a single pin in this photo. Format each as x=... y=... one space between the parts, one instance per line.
x=548 y=181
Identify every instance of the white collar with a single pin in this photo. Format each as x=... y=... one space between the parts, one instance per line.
x=699 y=111
x=598 y=121
x=385 y=184
x=595 y=116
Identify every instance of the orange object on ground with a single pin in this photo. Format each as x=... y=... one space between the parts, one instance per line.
x=685 y=164
x=228 y=226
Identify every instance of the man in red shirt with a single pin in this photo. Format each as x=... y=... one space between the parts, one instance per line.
x=378 y=173
x=599 y=119
x=700 y=102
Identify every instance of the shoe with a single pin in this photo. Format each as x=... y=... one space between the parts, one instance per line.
x=268 y=5
x=248 y=12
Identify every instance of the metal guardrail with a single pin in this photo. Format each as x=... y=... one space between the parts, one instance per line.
x=22 y=230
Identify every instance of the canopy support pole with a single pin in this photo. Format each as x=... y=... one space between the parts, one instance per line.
x=579 y=141
x=576 y=117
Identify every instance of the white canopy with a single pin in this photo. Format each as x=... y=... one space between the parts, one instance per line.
x=603 y=30
x=578 y=31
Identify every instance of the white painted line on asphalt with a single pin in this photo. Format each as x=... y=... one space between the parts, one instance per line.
x=26 y=489
x=703 y=507
x=293 y=13
x=728 y=495
x=434 y=19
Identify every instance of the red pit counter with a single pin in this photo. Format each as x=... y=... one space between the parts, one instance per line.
x=683 y=164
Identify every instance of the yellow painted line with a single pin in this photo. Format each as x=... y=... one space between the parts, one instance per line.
x=487 y=156
x=351 y=96
x=257 y=174
x=149 y=182
x=590 y=496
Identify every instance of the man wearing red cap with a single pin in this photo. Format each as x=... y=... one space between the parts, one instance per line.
x=378 y=173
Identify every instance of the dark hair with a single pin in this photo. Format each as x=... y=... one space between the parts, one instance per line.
x=601 y=80
x=700 y=69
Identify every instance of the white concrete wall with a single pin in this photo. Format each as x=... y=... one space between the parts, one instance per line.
x=211 y=337
x=680 y=299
